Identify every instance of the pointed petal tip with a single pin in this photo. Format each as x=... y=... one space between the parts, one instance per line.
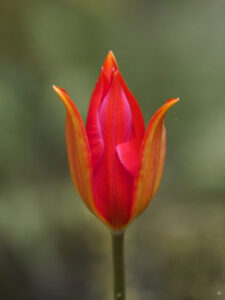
x=166 y=106
x=172 y=101
x=64 y=97
x=55 y=88
x=111 y=57
x=58 y=90
x=110 y=62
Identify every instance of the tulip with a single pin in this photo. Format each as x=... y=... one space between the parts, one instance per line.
x=116 y=165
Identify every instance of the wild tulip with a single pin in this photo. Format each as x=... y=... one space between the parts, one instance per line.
x=116 y=165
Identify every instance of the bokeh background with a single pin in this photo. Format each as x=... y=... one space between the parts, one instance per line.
x=51 y=247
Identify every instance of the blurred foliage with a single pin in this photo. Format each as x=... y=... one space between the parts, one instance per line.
x=51 y=247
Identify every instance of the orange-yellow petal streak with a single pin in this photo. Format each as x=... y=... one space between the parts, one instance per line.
x=152 y=155
x=78 y=151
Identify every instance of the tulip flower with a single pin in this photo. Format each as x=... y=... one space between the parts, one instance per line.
x=115 y=163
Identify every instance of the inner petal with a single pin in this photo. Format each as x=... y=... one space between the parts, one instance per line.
x=115 y=117
x=113 y=182
x=128 y=157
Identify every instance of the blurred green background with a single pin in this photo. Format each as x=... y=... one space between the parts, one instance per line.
x=51 y=247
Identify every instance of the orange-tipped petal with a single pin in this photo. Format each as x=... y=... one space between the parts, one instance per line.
x=110 y=63
x=78 y=150
x=152 y=155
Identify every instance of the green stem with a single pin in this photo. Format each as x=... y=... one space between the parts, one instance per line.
x=118 y=265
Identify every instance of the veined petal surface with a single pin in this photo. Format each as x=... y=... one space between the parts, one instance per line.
x=152 y=157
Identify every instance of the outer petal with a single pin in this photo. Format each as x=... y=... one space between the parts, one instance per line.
x=78 y=151
x=152 y=156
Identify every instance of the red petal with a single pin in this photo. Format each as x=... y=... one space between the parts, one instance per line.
x=138 y=130
x=128 y=156
x=152 y=155
x=93 y=127
x=113 y=183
